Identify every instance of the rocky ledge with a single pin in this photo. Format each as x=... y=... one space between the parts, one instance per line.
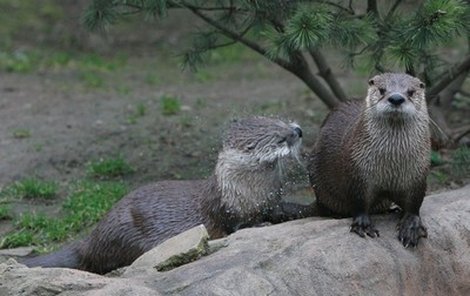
x=312 y=256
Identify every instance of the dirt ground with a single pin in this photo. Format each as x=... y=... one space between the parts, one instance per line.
x=71 y=122
x=70 y=125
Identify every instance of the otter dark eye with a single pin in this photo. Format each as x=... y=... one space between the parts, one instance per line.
x=282 y=140
x=382 y=90
x=421 y=85
x=410 y=92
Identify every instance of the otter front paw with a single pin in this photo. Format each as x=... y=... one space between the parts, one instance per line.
x=410 y=230
x=362 y=225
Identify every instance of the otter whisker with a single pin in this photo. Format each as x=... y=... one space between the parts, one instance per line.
x=371 y=106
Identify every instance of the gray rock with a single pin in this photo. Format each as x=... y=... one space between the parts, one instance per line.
x=312 y=256
x=18 y=252
x=18 y=280
x=178 y=250
x=217 y=244
x=122 y=288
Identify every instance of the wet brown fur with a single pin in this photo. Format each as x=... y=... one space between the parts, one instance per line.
x=370 y=153
x=243 y=191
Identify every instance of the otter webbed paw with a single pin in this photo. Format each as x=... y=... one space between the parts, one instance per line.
x=362 y=225
x=410 y=230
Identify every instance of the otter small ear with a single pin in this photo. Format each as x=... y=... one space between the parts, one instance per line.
x=371 y=81
x=421 y=85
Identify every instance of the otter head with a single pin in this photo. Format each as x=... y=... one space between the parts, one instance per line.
x=262 y=141
x=396 y=96
x=249 y=167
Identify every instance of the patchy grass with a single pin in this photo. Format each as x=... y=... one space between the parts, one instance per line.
x=38 y=147
x=436 y=159
x=170 y=105
x=58 y=59
x=123 y=89
x=201 y=103
x=231 y=54
x=36 y=229
x=28 y=17
x=186 y=121
x=21 y=133
x=17 y=239
x=140 y=111
x=92 y=79
x=5 y=213
x=461 y=161
x=109 y=168
x=91 y=66
x=86 y=203
x=32 y=188
x=89 y=201
x=99 y=63
x=273 y=106
x=439 y=176
x=204 y=75
x=152 y=79
x=18 y=61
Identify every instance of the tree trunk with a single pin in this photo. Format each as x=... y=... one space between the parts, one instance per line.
x=327 y=74
x=442 y=134
x=301 y=69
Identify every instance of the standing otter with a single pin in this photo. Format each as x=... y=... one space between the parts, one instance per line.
x=372 y=152
x=243 y=191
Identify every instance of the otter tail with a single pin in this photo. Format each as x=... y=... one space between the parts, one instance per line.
x=68 y=257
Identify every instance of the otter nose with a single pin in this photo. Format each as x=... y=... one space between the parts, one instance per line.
x=396 y=99
x=298 y=131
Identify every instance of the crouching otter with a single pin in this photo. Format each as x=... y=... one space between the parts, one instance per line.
x=244 y=190
x=375 y=151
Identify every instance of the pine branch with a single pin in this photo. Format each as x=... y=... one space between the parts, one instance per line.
x=132 y=5
x=447 y=78
x=327 y=74
x=231 y=34
x=372 y=7
x=348 y=10
x=193 y=57
x=324 y=70
x=392 y=10
x=214 y=8
x=99 y=14
x=298 y=66
x=460 y=132
x=350 y=5
x=302 y=70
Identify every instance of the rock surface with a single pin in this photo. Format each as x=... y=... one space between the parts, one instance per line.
x=312 y=256
x=176 y=251
x=21 y=251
